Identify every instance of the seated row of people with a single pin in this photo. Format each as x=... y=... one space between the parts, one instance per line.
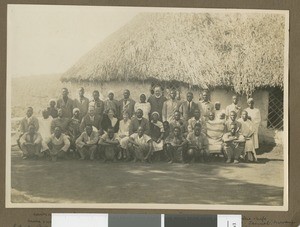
x=180 y=142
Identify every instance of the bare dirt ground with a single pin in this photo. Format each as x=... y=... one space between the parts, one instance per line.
x=73 y=181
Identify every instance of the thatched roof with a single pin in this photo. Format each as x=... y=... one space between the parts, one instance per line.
x=241 y=51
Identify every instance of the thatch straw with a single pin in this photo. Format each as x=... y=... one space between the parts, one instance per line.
x=242 y=51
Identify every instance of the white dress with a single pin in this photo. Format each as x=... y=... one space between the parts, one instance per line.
x=247 y=131
x=124 y=133
x=44 y=130
x=256 y=119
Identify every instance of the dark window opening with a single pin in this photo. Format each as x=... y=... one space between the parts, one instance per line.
x=275 y=109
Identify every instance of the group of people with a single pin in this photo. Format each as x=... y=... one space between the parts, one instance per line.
x=152 y=129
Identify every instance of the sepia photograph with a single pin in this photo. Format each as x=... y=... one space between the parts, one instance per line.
x=146 y=108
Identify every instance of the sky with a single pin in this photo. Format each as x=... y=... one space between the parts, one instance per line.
x=50 y=39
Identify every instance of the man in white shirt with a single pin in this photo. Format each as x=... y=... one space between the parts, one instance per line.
x=169 y=107
x=234 y=106
x=86 y=143
x=58 y=144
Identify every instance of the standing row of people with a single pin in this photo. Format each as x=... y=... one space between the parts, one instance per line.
x=114 y=127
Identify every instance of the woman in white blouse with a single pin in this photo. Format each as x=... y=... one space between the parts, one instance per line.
x=123 y=134
x=144 y=106
x=255 y=117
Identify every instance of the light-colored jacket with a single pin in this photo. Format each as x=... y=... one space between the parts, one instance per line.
x=37 y=138
x=84 y=138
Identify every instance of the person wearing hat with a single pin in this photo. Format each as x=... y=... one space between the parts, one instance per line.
x=234 y=106
x=82 y=103
x=111 y=103
x=65 y=104
x=255 y=116
x=157 y=134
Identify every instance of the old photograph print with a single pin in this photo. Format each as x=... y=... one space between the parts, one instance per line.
x=151 y=108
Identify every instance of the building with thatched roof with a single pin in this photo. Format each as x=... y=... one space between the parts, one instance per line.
x=225 y=53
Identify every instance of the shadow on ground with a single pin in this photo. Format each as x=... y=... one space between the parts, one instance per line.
x=96 y=182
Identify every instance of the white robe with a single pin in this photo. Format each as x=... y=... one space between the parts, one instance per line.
x=248 y=132
x=45 y=131
x=45 y=126
x=256 y=119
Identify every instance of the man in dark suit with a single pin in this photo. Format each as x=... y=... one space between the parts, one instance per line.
x=26 y=121
x=65 y=104
x=139 y=121
x=97 y=103
x=82 y=103
x=188 y=107
x=157 y=101
x=91 y=119
x=126 y=104
x=61 y=122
